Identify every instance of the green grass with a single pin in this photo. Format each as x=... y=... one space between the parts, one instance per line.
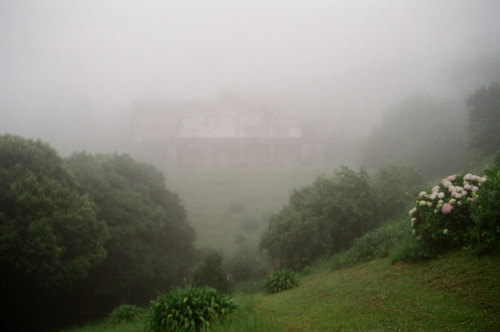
x=453 y=292
x=209 y=193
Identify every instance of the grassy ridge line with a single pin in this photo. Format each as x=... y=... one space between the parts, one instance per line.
x=451 y=293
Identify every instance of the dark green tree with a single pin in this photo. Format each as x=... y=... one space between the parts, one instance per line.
x=209 y=272
x=484 y=118
x=49 y=234
x=322 y=218
x=150 y=244
x=425 y=133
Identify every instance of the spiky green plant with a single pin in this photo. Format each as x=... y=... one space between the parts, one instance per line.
x=188 y=309
x=281 y=280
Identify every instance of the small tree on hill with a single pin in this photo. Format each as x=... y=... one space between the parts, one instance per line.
x=484 y=118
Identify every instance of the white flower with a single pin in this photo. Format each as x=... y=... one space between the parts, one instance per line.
x=441 y=195
x=435 y=189
x=435 y=211
x=440 y=201
x=422 y=194
x=452 y=201
x=446 y=184
x=433 y=196
x=459 y=203
x=422 y=203
x=412 y=211
x=483 y=179
x=468 y=176
x=451 y=178
x=467 y=187
x=445 y=231
x=474 y=188
x=463 y=193
x=429 y=204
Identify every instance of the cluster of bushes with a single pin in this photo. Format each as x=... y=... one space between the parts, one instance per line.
x=328 y=215
x=84 y=233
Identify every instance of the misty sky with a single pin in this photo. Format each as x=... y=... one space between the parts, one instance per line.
x=349 y=59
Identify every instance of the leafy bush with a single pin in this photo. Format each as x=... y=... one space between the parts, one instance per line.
x=188 y=309
x=247 y=263
x=395 y=185
x=209 y=272
x=126 y=313
x=281 y=280
x=484 y=118
x=442 y=216
x=485 y=232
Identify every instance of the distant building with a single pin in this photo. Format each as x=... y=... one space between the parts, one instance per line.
x=220 y=133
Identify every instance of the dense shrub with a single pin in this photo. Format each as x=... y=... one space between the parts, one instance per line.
x=209 y=272
x=442 y=217
x=322 y=218
x=281 y=280
x=484 y=118
x=188 y=309
x=485 y=232
x=396 y=186
x=126 y=313
x=247 y=263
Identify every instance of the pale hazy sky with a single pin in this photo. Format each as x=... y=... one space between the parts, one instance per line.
x=352 y=59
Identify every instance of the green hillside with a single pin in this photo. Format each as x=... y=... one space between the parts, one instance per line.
x=450 y=293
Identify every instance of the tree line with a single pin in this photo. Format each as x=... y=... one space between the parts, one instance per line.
x=82 y=234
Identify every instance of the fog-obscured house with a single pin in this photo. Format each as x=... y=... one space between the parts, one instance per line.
x=220 y=133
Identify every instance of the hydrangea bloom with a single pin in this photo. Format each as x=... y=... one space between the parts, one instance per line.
x=447 y=207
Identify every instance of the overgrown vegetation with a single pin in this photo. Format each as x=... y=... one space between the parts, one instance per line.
x=484 y=118
x=84 y=234
x=126 y=313
x=427 y=133
x=209 y=272
x=188 y=309
x=281 y=280
x=328 y=215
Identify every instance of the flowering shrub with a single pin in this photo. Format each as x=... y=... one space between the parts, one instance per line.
x=442 y=216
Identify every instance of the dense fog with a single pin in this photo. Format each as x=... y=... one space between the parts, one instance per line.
x=71 y=71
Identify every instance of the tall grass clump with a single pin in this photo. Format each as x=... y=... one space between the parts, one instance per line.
x=188 y=309
x=281 y=280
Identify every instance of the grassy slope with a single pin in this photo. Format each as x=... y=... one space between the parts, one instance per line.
x=450 y=293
